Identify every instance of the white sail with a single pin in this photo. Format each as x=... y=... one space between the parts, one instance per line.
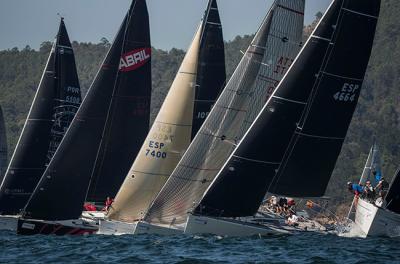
x=263 y=65
x=164 y=146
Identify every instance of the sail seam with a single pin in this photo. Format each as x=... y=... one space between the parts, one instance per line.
x=289 y=100
x=190 y=73
x=359 y=13
x=257 y=161
x=341 y=76
x=322 y=38
x=316 y=136
x=149 y=173
x=291 y=10
x=172 y=124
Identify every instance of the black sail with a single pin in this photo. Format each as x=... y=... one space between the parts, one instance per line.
x=129 y=116
x=52 y=110
x=3 y=146
x=292 y=147
x=211 y=73
x=62 y=189
x=393 y=195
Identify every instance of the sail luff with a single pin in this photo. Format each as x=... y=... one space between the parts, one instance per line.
x=61 y=191
x=165 y=144
x=289 y=112
x=232 y=114
x=393 y=195
x=3 y=146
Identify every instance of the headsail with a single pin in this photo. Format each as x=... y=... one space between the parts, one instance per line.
x=393 y=196
x=62 y=189
x=3 y=146
x=275 y=44
x=165 y=144
x=56 y=101
x=292 y=147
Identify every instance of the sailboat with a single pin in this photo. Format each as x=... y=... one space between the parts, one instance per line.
x=380 y=217
x=124 y=77
x=273 y=49
x=3 y=146
x=194 y=90
x=53 y=108
x=372 y=164
x=292 y=146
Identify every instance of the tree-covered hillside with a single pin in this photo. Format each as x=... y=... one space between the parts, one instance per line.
x=378 y=112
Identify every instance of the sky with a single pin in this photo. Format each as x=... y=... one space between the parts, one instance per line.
x=172 y=22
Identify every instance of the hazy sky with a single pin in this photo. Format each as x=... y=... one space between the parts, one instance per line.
x=172 y=22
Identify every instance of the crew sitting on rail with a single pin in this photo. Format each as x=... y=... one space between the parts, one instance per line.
x=357 y=189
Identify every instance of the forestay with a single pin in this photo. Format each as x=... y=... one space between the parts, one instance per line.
x=62 y=189
x=292 y=147
x=55 y=104
x=266 y=60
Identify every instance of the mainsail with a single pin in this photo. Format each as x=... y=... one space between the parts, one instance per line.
x=129 y=114
x=292 y=147
x=266 y=60
x=211 y=73
x=55 y=104
x=194 y=90
x=3 y=146
x=62 y=189
x=393 y=196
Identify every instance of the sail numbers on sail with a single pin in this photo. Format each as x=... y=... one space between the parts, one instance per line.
x=348 y=92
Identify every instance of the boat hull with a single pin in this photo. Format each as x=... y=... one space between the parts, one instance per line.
x=68 y=227
x=146 y=228
x=228 y=227
x=376 y=221
x=111 y=227
x=9 y=222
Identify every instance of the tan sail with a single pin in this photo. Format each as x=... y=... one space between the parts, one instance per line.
x=164 y=146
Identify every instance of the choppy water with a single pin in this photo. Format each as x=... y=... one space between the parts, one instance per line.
x=301 y=248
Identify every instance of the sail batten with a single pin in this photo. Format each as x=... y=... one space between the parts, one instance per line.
x=269 y=55
x=55 y=103
x=63 y=187
x=284 y=131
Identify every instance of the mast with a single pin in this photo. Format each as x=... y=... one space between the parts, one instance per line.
x=292 y=147
x=52 y=109
x=3 y=146
x=62 y=189
x=266 y=60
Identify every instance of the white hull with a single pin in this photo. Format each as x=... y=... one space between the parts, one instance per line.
x=111 y=227
x=376 y=221
x=228 y=227
x=9 y=222
x=146 y=228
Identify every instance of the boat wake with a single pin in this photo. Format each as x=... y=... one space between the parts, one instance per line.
x=349 y=229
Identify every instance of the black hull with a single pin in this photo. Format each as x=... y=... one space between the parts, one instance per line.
x=35 y=227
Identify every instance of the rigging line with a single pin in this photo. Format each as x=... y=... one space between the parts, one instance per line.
x=289 y=100
x=342 y=77
x=321 y=137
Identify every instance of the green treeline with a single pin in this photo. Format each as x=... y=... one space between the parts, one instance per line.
x=377 y=114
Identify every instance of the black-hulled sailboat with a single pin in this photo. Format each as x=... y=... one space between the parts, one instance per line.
x=3 y=146
x=292 y=147
x=120 y=93
x=273 y=49
x=56 y=101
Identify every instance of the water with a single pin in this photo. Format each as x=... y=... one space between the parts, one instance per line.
x=301 y=248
